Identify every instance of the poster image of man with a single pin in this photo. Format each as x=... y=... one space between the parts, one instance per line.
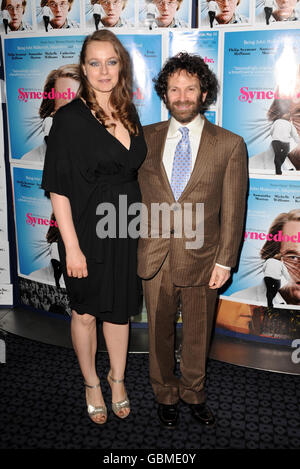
x=53 y=14
x=282 y=153
x=162 y=14
x=223 y=12
x=12 y=12
x=272 y=11
x=65 y=82
x=280 y=257
x=109 y=14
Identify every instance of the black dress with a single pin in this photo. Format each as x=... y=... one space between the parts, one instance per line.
x=87 y=164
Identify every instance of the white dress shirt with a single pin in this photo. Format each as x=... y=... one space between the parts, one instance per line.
x=174 y=136
x=284 y=130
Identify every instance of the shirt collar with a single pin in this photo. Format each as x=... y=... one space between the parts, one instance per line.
x=195 y=126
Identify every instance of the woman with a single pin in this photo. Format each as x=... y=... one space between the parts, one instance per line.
x=94 y=149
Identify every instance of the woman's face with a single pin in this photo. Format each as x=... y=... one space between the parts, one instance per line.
x=15 y=10
x=113 y=10
x=227 y=9
x=101 y=67
x=167 y=10
x=63 y=85
x=285 y=8
x=59 y=9
x=234 y=316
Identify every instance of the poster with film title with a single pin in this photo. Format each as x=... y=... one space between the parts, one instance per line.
x=261 y=97
x=33 y=221
x=30 y=65
x=109 y=14
x=203 y=43
x=153 y=14
x=212 y=14
x=57 y=16
x=270 y=12
x=271 y=245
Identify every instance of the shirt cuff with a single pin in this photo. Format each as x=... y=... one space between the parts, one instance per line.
x=224 y=266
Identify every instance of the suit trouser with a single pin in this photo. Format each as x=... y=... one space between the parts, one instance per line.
x=281 y=150
x=197 y=308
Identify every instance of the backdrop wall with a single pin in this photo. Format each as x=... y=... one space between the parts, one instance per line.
x=259 y=74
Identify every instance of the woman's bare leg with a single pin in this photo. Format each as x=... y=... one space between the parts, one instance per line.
x=84 y=338
x=116 y=338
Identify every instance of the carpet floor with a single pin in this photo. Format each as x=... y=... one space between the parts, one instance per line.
x=43 y=406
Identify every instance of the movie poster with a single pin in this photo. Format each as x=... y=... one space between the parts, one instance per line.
x=212 y=14
x=271 y=245
x=57 y=15
x=18 y=15
x=42 y=74
x=109 y=14
x=261 y=97
x=153 y=14
x=203 y=43
x=33 y=224
x=269 y=12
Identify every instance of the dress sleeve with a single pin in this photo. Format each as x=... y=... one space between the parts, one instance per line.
x=57 y=173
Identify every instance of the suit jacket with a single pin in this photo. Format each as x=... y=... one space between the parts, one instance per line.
x=219 y=181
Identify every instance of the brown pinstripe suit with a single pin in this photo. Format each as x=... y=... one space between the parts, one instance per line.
x=172 y=273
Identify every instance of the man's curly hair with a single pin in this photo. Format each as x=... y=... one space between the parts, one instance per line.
x=194 y=65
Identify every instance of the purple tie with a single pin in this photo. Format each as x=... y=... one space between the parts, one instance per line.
x=182 y=164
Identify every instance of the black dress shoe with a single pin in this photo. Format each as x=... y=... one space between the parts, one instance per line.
x=202 y=413
x=168 y=415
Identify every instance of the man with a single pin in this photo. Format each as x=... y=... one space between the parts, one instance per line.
x=213 y=162
x=227 y=14
x=166 y=16
x=286 y=227
x=59 y=15
x=112 y=14
x=46 y=14
x=282 y=10
x=212 y=11
x=97 y=13
x=12 y=14
x=268 y=9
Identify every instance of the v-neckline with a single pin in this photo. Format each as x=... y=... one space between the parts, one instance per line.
x=103 y=127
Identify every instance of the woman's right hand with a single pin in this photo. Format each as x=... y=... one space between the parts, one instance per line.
x=76 y=263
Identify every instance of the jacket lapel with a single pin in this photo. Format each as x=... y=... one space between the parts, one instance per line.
x=204 y=156
x=160 y=137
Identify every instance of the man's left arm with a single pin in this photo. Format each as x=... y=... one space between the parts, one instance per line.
x=233 y=203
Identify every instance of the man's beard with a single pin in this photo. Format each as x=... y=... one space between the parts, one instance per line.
x=187 y=115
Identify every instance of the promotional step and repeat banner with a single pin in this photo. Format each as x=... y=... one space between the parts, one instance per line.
x=261 y=99
x=256 y=57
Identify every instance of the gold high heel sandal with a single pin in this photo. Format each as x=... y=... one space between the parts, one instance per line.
x=92 y=410
x=117 y=406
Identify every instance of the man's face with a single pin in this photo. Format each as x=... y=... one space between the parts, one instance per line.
x=227 y=9
x=59 y=10
x=184 y=96
x=167 y=10
x=15 y=10
x=113 y=10
x=285 y=7
x=290 y=251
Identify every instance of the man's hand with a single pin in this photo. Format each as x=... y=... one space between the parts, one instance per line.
x=218 y=277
